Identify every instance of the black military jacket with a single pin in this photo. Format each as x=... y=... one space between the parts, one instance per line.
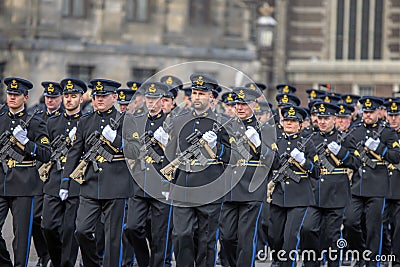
x=113 y=180
x=296 y=194
x=332 y=190
x=246 y=180
x=45 y=114
x=148 y=180
x=394 y=177
x=368 y=182
x=24 y=180
x=179 y=128
x=56 y=126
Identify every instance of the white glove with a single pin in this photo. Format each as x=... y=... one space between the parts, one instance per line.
x=71 y=134
x=334 y=147
x=253 y=136
x=166 y=195
x=211 y=138
x=63 y=194
x=372 y=143
x=161 y=136
x=20 y=135
x=109 y=133
x=298 y=156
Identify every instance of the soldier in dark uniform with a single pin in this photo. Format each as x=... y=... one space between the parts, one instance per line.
x=290 y=200
x=21 y=179
x=53 y=102
x=263 y=111
x=284 y=100
x=332 y=190
x=330 y=98
x=169 y=100
x=138 y=98
x=194 y=206
x=352 y=100
x=286 y=89
x=187 y=98
x=392 y=210
x=150 y=187
x=343 y=118
x=242 y=207
x=105 y=190
x=58 y=213
x=371 y=183
x=52 y=99
x=124 y=98
x=314 y=94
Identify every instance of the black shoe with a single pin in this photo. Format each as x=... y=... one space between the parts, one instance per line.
x=81 y=263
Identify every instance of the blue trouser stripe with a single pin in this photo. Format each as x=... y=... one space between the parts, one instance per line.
x=29 y=233
x=253 y=257
x=122 y=232
x=167 y=234
x=381 y=234
x=298 y=235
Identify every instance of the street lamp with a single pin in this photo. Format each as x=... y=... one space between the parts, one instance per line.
x=265 y=31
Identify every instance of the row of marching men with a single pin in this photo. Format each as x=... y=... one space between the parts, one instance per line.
x=309 y=175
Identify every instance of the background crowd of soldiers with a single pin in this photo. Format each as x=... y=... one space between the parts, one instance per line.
x=157 y=178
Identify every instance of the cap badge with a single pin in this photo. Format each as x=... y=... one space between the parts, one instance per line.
x=229 y=98
x=285 y=89
x=122 y=95
x=14 y=84
x=169 y=80
x=291 y=111
x=69 y=85
x=134 y=86
x=327 y=99
x=252 y=87
x=99 y=86
x=50 y=89
x=285 y=99
x=348 y=99
x=313 y=94
x=152 y=89
x=342 y=109
x=322 y=108
x=200 y=81
x=368 y=103
x=258 y=107
x=241 y=94
x=393 y=107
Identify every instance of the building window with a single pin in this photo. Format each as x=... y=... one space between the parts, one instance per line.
x=142 y=74
x=138 y=10
x=84 y=73
x=233 y=19
x=200 y=12
x=359 y=29
x=74 y=8
x=366 y=90
x=2 y=91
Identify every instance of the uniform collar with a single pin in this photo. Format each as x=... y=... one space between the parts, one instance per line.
x=334 y=130
x=107 y=112
x=155 y=117
x=202 y=115
x=54 y=113
x=249 y=120
x=291 y=136
x=73 y=116
x=16 y=115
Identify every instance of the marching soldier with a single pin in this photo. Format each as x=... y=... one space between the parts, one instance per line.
x=58 y=213
x=332 y=190
x=343 y=118
x=169 y=100
x=228 y=103
x=138 y=97
x=124 y=99
x=195 y=206
x=53 y=102
x=392 y=210
x=352 y=100
x=376 y=145
x=106 y=183
x=284 y=100
x=150 y=187
x=242 y=206
x=24 y=140
x=291 y=197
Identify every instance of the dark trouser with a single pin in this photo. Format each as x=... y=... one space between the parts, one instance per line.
x=89 y=213
x=128 y=253
x=284 y=226
x=59 y=227
x=22 y=212
x=186 y=219
x=392 y=211
x=311 y=234
x=262 y=235
x=238 y=228
x=373 y=207
x=38 y=237
x=136 y=230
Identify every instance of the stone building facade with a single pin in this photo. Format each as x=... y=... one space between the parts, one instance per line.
x=352 y=44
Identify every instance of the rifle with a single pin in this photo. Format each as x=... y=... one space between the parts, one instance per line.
x=193 y=151
x=96 y=152
x=244 y=139
x=363 y=150
x=285 y=171
x=323 y=151
x=8 y=142
x=60 y=146
x=147 y=149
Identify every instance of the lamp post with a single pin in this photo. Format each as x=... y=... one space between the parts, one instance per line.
x=266 y=25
